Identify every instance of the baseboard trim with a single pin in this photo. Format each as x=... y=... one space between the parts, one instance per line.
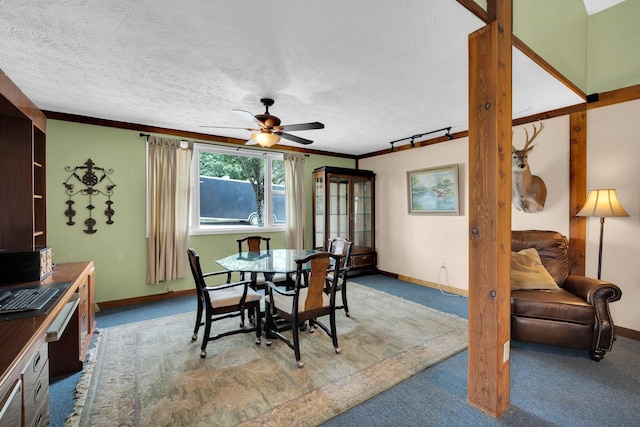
x=146 y=299
x=628 y=333
x=444 y=288
x=620 y=331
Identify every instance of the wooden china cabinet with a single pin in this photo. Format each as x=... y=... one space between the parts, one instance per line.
x=344 y=206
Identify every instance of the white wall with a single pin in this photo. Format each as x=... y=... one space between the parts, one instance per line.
x=613 y=161
x=415 y=245
x=550 y=161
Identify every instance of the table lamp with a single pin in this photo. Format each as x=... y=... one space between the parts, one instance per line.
x=602 y=203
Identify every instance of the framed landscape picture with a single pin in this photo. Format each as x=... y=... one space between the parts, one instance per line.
x=433 y=190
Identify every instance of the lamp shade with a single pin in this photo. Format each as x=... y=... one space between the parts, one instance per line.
x=266 y=139
x=602 y=203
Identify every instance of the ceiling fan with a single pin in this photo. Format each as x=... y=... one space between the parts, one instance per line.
x=268 y=129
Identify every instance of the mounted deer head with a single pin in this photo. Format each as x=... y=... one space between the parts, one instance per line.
x=528 y=192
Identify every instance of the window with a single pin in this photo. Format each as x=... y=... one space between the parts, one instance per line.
x=236 y=190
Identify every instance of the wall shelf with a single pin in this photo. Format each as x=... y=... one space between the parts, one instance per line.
x=23 y=194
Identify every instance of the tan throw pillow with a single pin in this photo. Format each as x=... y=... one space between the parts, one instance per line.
x=527 y=271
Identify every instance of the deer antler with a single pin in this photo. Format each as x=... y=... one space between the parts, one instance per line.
x=536 y=131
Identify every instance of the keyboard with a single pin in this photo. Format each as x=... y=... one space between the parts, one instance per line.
x=25 y=299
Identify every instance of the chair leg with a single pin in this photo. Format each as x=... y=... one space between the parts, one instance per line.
x=253 y=280
x=344 y=299
x=205 y=338
x=268 y=322
x=198 y=321
x=296 y=345
x=258 y=324
x=334 y=334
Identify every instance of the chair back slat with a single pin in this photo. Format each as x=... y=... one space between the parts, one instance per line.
x=254 y=243
x=196 y=270
x=314 y=279
x=198 y=278
x=316 y=283
x=340 y=246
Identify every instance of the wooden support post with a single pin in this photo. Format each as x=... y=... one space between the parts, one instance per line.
x=577 y=190
x=490 y=211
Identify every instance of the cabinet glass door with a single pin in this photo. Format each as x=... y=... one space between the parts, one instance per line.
x=362 y=213
x=318 y=219
x=338 y=207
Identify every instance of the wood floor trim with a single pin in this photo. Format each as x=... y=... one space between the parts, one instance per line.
x=145 y=299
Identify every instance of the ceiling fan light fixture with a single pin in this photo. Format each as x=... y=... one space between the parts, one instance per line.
x=266 y=139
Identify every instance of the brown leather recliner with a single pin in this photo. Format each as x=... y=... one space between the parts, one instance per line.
x=576 y=315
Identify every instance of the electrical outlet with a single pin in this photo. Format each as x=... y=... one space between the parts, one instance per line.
x=170 y=289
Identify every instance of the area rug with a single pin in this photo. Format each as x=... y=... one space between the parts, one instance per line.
x=149 y=373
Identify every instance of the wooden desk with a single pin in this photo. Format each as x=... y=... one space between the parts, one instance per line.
x=26 y=359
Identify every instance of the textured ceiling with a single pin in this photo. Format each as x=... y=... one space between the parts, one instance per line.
x=372 y=72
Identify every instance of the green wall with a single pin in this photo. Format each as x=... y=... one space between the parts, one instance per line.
x=119 y=251
x=557 y=31
x=597 y=53
x=613 y=44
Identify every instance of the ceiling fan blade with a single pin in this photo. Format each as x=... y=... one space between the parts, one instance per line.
x=249 y=117
x=302 y=126
x=295 y=138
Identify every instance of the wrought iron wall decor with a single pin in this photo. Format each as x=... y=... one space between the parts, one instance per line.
x=96 y=182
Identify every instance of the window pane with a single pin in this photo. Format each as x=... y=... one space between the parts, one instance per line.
x=277 y=192
x=233 y=187
x=277 y=172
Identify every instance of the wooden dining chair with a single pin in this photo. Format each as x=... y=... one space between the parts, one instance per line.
x=340 y=246
x=256 y=244
x=253 y=243
x=219 y=302
x=307 y=301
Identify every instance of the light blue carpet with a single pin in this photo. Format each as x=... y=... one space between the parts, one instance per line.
x=549 y=386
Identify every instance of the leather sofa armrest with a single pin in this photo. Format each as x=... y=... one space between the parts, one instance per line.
x=591 y=290
x=599 y=294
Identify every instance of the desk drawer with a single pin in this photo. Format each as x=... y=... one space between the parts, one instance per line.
x=83 y=312
x=84 y=324
x=34 y=367
x=11 y=406
x=41 y=415
x=83 y=290
x=36 y=401
x=363 y=260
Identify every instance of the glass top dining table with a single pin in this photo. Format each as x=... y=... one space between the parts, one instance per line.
x=267 y=262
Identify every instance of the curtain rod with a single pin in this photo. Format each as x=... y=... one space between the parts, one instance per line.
x=146 y=136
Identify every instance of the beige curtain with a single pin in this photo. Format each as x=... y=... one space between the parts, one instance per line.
x=168 y=183
x=295 y=201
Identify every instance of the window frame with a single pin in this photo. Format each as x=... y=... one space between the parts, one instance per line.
x=195 y=228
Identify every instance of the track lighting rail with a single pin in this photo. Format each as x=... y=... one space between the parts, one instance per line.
x=412 y=138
